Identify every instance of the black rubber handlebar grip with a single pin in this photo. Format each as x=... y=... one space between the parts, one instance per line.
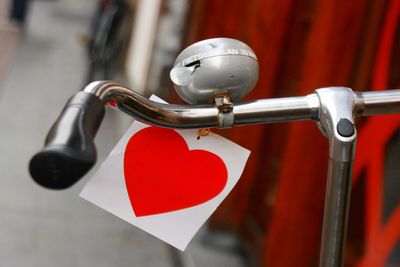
x=69 y=151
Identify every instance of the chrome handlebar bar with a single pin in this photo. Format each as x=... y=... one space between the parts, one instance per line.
x=69 y=150
x=201 y=116
x=244 y=113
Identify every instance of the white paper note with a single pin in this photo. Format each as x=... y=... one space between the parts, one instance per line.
x=171 y=186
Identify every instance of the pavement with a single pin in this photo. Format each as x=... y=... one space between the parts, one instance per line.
x=9 y=34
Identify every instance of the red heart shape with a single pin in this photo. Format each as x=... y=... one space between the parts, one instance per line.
x=163 y=175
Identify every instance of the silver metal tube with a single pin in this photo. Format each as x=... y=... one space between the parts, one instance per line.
x=336 y=122
x=277 y=110
x=135 y=105
x=337 y=202
x=200 y=116
x=377 y=102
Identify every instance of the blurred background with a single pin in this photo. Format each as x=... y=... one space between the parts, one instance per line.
x=50 y=49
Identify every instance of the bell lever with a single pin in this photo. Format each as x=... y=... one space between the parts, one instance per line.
x=194 y=64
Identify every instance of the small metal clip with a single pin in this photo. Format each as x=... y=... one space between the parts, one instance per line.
x=225 y=114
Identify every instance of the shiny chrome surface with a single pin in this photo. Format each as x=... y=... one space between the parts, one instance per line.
x=251 y=112
x=200 y=116
x=337 y=202
x=213 y=67
x=277 y=110
x=135 y=105
x=378 y=102
x=337 y=104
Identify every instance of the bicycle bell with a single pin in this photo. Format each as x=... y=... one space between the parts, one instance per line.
x=215 y=67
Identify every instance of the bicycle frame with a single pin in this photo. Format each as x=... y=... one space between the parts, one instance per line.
x=332 y=108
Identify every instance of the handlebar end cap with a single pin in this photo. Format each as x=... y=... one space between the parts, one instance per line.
x=54 y=170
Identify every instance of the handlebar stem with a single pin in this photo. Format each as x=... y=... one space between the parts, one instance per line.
x=336 y=121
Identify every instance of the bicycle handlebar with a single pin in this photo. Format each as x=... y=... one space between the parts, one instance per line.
x=202 y=116
x=70 y=152
x=221 y=70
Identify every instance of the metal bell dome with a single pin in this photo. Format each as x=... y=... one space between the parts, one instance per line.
x=214 y=67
